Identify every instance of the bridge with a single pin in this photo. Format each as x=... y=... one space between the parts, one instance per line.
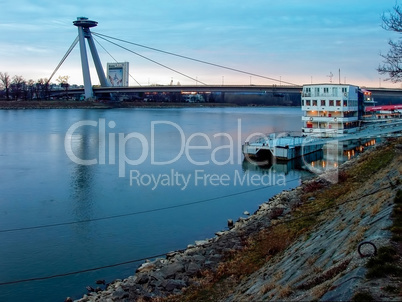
x=231 y=88
x=84 y=33
x=387 y=95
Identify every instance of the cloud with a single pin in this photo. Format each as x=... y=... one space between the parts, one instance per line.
x=287 y=37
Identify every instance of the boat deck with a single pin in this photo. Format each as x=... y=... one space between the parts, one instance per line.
x=285 y=146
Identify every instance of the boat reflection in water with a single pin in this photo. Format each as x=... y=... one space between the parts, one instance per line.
x=332 y=155
x=350 y=153
x=280 y=166
x=336 y=153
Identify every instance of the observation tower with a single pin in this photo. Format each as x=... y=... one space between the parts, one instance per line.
x=84 y=32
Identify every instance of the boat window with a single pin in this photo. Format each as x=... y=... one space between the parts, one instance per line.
x=314 y=102
x=345 y=103
x=331 y=102
x=338 y=102
x=308 y=102
x=322 y=102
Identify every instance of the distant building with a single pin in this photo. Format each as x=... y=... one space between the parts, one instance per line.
x=117 y=74
x=333 y=109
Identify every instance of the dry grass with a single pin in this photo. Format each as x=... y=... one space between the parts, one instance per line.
x=326 y=275
x=318 y=291
x=360 y=233
x=397 y=218
x=313 y=186
x=379 y=202
x=341 y=226
x=375 y=209
x=258 y=249
x=372 y=163
x=268 y=243
x=311 y=260
x=356 y=221
x=278 y=276
x=285 y=291
x=268 y=287
x=316 y=269
x=357 y=237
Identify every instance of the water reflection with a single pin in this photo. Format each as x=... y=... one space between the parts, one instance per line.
x=36 y=170
x=357 y=147
x=85 y=145
x=81 y=194
x=281 y=166
x=332 y=156
x=336 y=153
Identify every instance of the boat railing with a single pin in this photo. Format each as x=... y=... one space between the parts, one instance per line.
x=272 y=138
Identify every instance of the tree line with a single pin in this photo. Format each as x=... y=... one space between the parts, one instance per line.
x=17 y=88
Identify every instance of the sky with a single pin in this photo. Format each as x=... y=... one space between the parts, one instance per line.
x=291 y=41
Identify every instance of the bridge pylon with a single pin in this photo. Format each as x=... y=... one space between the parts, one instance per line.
x=84 y=32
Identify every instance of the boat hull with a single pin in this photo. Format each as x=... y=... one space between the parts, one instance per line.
x=284 y=148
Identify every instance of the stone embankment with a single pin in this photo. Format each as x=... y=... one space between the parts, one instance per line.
x=327 y=264
x=323 y=264
x=166 y=276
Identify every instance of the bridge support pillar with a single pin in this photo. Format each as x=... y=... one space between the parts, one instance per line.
x=84 y=32
x=84 y=63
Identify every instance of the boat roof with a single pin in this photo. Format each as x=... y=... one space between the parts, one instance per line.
x=385 y=107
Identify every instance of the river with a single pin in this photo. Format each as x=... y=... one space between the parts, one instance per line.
x=84 y=189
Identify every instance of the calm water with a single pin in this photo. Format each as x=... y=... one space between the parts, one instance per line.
x=195 y=154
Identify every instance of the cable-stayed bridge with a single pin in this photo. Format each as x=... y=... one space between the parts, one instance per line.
x=84 y=34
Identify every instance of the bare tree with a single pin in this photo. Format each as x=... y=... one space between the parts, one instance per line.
x=5 y=82
x=392 y=63
x=42 y=88
x=17 y=87
x=31 y=89
x=63 y=81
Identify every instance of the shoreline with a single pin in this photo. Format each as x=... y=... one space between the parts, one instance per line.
x=22 y=105
x=185 y=264
x=188 y=268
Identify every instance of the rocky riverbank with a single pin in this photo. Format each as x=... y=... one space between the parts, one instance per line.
x=318 y=228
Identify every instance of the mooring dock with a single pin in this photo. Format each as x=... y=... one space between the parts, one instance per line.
x=285 y=146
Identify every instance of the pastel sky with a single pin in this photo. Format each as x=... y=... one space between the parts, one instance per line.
x=292 y=41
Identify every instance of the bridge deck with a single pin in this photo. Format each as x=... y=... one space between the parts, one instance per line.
x=225 y=88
